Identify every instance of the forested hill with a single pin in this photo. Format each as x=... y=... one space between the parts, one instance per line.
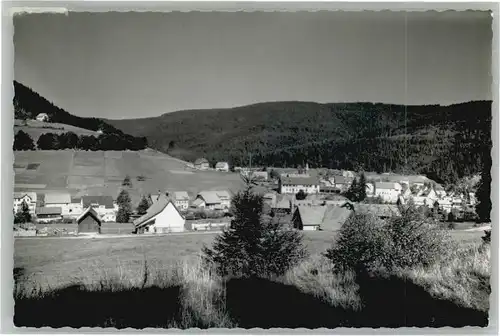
x=444 y=142
x=28 y=104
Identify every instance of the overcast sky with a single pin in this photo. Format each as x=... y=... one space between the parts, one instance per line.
x=122 y=65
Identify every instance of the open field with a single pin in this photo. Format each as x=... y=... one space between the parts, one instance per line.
x=36 y=128
x=55 y=262
x=101 y=173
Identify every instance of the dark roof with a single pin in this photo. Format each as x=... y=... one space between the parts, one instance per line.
x=48 y=211
x=89 y=212
x=200 y=161
x=76 y=199
x=338 y=179
x=155 y=209
x=107 y=201
x=299 y=180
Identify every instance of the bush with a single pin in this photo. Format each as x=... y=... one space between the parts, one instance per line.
x=402 y=241
x=253 y=246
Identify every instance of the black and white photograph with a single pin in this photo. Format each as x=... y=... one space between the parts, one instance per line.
x=252 y=169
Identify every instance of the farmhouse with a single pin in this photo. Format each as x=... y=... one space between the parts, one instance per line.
x=48 y=214
x=213 y=200
x=341 y=182
x=27 y=197
x=292 y=185
x=388 y=191
x=325 y=218
x=222 y=166
x=202 y=164
x=260 y=175
x=89 y=221
x=75 y=207
x=162 y=217
x=103 y=205
x=59 y=200
x=181 y=200
x=42 y=117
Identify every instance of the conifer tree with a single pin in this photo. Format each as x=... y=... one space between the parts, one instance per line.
x=143 y=206
x=23 y=214
x=254 y=246
x=23 y=141
x=124 y=207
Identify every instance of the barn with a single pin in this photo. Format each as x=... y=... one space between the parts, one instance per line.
x=162 y=217
x=89 y=222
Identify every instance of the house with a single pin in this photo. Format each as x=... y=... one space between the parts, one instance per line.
x=48 y=214
x=162 y=217
x=75 y=207
x=381 y=211
x=388 y=191
x=181 y=200
x=89 y=221
x=325 y=218
x=292 y=185
x=30 y=198
x=202 y=164
x=59 y=200
x=42 y=117
x=282 y=206
x=213 y=200
x=104 y=206
x=260 y=175
x=341 y=182
x=222 y=166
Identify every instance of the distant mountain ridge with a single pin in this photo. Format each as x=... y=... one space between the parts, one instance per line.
x=445 y=142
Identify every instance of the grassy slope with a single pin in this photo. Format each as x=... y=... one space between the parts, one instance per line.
x=101 y=172
x=36 y=128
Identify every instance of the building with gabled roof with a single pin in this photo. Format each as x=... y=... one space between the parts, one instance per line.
x=89 y=221
x=222 y=166
x=325 y=218
x=181 y=200
x=58 y=200
x=48 y=214
x=105 y=206
x=30 y=198
x=202 y=164
x=162 y=217
x=388 y=191
x=292 y=185
x=42 y=117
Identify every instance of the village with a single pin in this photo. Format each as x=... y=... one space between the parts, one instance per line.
x=307 y=199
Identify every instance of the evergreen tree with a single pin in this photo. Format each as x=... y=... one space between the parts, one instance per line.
x=47 y=141
x=483 y=194
x=143 y=206
x=68 y=140
x=301 y=195
x=361 y=188
x=352 y=192
x=254 y=246
x=23 y=215
x=127 y=182
x=23 y=141
x=88 y=142
x=124 y=207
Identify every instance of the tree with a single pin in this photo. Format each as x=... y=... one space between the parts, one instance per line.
x=301 y=195
x=124 y=207
x=253 y=246
x=361 y=194
x=143 y=206
x=88 y=142
x=274 y=174
x=23 y=141
x=67 y=140
x=127 y=182
x=352 y=192
x=23 y=214
x=47 y=141
x=483 y=194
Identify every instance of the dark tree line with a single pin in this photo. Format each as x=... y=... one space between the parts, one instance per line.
x=27 y=105
x=70 y=140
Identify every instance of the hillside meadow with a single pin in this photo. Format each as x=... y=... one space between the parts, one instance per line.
x=102 y=172
x=35 y=128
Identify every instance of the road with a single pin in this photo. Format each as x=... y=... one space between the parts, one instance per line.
x=108 y=236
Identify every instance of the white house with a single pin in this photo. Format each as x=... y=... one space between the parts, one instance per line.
x=292 y=185
x=369 y=189
x=388 y=191
x=162 y=217
x=75 y=207
x=59 y=200
x=202 y=164
x=213 y=200
x=28 y=197
x=103 y=205
x=181 y=200
x=222 y=166
x=42 y=117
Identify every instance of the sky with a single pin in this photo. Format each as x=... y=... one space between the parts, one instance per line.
x=130 y=65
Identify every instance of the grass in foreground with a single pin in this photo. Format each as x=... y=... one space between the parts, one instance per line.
x=184 y=295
